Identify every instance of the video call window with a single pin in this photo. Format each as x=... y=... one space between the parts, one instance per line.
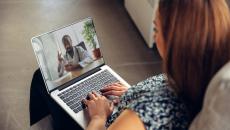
x=67 y=53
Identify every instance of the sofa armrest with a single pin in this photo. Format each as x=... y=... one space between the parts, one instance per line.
x=215 y=113
x=142 y=13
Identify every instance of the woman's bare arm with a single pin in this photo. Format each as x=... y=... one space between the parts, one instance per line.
x=128 y=120
x=96 y=124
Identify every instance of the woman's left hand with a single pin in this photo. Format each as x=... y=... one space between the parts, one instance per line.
x=98 y=106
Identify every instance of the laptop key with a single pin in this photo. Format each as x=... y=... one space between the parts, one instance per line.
x=66 y=100
x=62 y=97
x=76 y=110
x=70 y=103
x=75 y=105
x=79 y=108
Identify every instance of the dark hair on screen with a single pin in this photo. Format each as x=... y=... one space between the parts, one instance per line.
x=197 y=38
x=66 y=38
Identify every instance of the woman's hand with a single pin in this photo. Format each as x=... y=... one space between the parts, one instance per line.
x=98 y=106
x=115 y=89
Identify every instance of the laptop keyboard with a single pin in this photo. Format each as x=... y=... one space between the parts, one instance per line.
x=74 y=95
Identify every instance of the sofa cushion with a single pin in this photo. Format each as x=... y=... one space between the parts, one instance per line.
x=215 y=113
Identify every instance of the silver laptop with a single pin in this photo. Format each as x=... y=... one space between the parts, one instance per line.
x=72 y=65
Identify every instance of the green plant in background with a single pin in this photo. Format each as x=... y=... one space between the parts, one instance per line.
x=89 y=34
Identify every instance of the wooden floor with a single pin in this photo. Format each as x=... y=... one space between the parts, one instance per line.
x=122 y=46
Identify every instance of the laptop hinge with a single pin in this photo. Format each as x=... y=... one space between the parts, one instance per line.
x=78 y=78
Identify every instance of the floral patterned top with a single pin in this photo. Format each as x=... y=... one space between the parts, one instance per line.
x=156 y=104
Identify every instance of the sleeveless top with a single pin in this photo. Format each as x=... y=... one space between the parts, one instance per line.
x=156 y=104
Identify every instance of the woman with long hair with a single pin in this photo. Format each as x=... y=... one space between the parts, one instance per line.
x=192 y=37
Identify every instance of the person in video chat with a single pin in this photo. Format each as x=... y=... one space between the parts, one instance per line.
x=75 y=57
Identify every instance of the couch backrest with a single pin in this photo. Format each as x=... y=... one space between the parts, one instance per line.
x=215 y=113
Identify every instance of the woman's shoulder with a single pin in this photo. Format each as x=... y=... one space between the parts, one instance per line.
x=148 y=86
x=154 y=80
x=156 y=104
x=163 y=111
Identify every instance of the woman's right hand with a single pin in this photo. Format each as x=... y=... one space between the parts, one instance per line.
x=115 y=89
x=98 y=106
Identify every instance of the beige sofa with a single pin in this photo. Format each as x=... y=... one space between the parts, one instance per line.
x=215 y=114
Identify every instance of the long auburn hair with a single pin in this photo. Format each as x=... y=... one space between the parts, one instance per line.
x=197 y=38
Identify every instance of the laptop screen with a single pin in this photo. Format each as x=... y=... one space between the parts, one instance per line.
x=67 y=53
